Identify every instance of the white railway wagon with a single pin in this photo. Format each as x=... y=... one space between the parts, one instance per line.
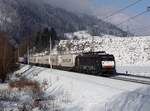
x=91 y=62
x=67 y=60
x=33 y=59
x=56 y=60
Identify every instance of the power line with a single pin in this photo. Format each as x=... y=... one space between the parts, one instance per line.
x=144 y=32
x=141 y=28
x=133 y=17
x=114 y=13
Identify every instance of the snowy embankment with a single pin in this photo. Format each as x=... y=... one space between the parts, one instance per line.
x=78 y=92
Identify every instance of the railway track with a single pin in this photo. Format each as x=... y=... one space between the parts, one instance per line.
x=132 y=78
x=127 y=77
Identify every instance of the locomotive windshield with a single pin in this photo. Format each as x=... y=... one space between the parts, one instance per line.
x=107 y=58
x=108 y=61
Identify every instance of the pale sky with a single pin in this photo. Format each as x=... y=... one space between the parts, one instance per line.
x=104 y=8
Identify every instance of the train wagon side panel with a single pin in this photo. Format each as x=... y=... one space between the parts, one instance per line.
x=54 y=60
x=44 y=60
x=67 y=60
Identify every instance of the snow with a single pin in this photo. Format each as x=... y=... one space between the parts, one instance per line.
x=79 y=92
x=127 y=50
x=132 y=54
x=3 y=86
x=80 y=35
x=135 y=70
x=136 y=100
x=4 y=18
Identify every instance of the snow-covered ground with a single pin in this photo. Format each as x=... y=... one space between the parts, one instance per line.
x=135 y=70
x=3 y=86
x=127 y=50
x=78 y=92
x=132 y=54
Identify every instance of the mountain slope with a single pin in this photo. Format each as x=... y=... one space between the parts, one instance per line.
x=127 y=50
x=23 y=17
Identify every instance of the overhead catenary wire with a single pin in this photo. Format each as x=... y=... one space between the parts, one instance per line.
x=114 y=13
x=133 y=17
x=143 y=33
x=141 y=28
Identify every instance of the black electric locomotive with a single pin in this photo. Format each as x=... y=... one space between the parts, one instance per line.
x=97 y=63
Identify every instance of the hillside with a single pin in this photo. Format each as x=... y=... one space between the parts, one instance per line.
x=127 y=50
x=24 y=17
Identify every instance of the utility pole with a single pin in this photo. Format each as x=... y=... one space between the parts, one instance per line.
x=27 y=43
x=28 y=53
x=92 y=45
x=18 y=53
x=93 y=33
x=50 y=49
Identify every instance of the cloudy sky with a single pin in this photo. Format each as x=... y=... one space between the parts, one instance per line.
x=104 y=8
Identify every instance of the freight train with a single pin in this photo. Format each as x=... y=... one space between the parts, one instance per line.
x=96 y=63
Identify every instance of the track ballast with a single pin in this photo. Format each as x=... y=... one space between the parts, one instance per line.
x=132 y=78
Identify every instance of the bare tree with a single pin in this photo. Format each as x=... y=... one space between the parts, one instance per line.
x=7 y=56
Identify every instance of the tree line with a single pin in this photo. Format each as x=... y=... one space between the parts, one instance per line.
x=39 y=41
x=9 y=54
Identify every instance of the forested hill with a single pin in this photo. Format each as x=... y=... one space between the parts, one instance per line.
x=24 y=17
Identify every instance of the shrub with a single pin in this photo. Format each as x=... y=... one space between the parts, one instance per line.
x=25 y=84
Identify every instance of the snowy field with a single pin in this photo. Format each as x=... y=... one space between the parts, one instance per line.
x=78 y=92
x=132 y=54
x=142 y=70
x=127 y=50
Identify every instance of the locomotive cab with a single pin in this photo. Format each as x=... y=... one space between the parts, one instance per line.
x=108 y=64
x=98 y=63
